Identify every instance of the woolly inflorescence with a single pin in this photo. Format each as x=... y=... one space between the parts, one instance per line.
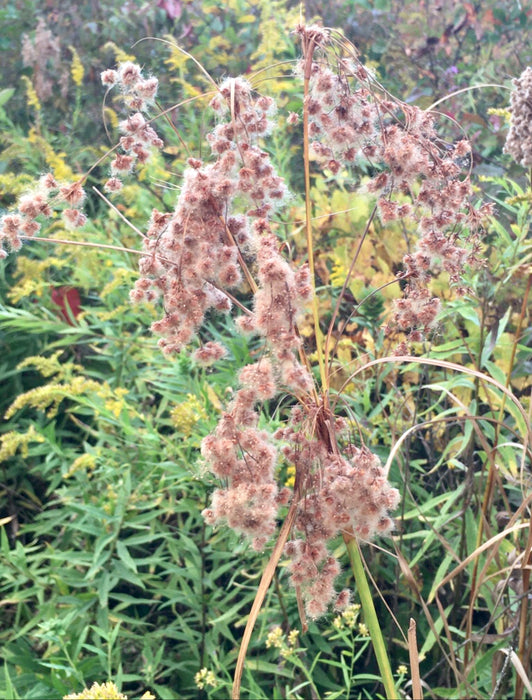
x=39 y=205
x=135 y=146
x=519 y=139
x=194 y=258
x=418 y=179
x=221 y=238
x=338 y=492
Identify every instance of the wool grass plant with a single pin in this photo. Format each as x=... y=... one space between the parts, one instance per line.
x=238 y=254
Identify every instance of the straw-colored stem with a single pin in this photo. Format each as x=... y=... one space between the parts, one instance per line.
x=417 y=690
x=318 y=335
x=264 y=584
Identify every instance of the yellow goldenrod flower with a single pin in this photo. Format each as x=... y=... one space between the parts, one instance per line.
x=498 y=112
x=115 y=403
x=84 y=462
x=104 y=691
x=185 y=415
x=350 y=615
x=274 y=20
x=12 y=441
x=26 y=288
x=15 y=184
x=290 y=476
x=32 y=99
x=50 y=395
x=338 y=273
x=120 y=55
x=76 y=68
x=122 y=277
x=56 y=161
x=31 y=276
x=286 y=652
x=49 y=366
x=293 y=636
x=111 y=116
x=338 y=622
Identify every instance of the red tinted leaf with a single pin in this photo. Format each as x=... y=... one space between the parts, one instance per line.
x=68 y=301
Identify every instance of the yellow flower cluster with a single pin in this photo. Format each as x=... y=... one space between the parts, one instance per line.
x=115 y=312
x=111 y=116
x=120 y=55
x=116 y=401
x=204 y=677
x=503 y=113
x=14 y=184
x=104 y=691
x=275 y=638
x=122 y=277
x=26 y=287
x=56 y=161
x=185 y=415
x=49 y=396
x=85 y=462
x=31 y=95
x=49 y=366
x=285 y=643
x=76 y=68
x=348 y=618
x=338 y=273
x=290 y=476
x=276 y=20
x=31 y=276
x=12 y=441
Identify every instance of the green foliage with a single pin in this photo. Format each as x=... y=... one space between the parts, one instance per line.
x=112 y=558
x=108 y=570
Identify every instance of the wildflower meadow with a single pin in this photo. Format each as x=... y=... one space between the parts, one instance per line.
x=265 y=278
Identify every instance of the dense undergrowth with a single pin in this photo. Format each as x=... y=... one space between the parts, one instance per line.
x=109 y=572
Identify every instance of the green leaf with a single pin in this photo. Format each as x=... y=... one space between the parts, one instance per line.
x=5 y=95
x=125 y=556
x=10 y=693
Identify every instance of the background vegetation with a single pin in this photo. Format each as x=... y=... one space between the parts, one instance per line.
x=108 y=570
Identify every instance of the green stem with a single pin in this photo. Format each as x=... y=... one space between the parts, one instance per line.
x=370 y=617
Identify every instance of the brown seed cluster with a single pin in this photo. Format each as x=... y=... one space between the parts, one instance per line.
x=242 y=456
x=43 y=53
x=194 y=255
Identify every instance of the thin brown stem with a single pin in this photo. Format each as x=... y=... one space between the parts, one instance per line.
x=264 y=584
